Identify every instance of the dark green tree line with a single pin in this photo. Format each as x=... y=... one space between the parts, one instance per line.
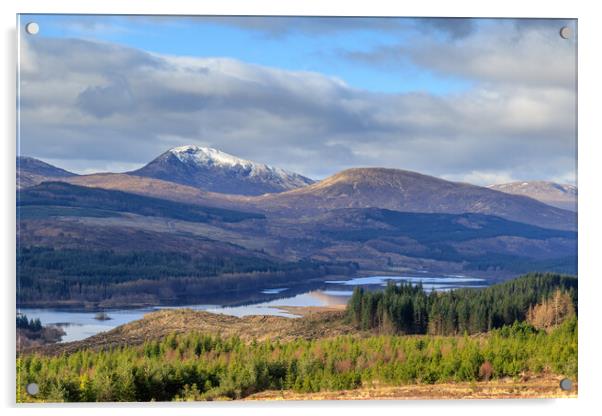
x=406 y=308
x=45 y=273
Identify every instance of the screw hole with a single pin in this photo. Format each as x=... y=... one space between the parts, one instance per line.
x=32 y=28
x=566 y=384
x=565 y=32
x=33 y=389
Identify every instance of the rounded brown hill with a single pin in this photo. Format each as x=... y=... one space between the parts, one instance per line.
x=407 y=191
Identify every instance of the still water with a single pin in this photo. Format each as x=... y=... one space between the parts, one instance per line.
x=266 y=301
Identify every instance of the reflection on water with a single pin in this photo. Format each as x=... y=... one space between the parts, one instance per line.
x=266 y=301
x=274 y=291
x=445 y=281
x=80 y=325
x=439 y=283
x=347 y=293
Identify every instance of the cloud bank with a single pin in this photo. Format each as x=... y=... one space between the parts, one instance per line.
x=91 y=106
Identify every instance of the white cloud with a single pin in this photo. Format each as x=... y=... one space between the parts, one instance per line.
x=482 y=177
x=97 y=106
x=514 y=52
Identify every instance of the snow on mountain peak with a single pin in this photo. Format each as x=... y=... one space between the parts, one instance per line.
x=208 y=156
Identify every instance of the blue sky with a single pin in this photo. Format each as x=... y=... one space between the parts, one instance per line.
x=475 y=100
x=321 y=50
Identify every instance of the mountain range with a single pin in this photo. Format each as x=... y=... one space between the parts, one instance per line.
x=196 y=212
x=209 y=176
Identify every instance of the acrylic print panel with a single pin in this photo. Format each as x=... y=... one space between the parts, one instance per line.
x=231 y=208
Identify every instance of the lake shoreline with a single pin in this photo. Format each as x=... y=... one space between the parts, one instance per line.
x=330 y=293
x=112 y=305
x=102 y=306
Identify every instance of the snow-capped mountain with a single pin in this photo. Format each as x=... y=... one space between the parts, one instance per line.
x=216 y=171
x=551 y=193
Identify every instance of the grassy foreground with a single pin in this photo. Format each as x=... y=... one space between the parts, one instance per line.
x=198 y=366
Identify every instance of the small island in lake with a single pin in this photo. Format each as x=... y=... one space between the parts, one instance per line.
x=102 y=316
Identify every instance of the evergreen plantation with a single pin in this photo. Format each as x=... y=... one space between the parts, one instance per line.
x=197 y=366
x=408 y=309
x=200 y=366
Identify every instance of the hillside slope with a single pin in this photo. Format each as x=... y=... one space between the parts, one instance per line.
x=407 y=191
x=31 y=172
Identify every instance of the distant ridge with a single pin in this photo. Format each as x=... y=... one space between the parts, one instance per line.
x=31 y=172
x=551 y=193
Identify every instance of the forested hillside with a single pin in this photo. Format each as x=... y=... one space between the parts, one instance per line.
x=76 y=275
x=408 y=309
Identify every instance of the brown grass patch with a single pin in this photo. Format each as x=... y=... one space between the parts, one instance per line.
x=537 y=387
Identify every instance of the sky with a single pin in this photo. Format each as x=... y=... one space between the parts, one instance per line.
x=475 y=100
